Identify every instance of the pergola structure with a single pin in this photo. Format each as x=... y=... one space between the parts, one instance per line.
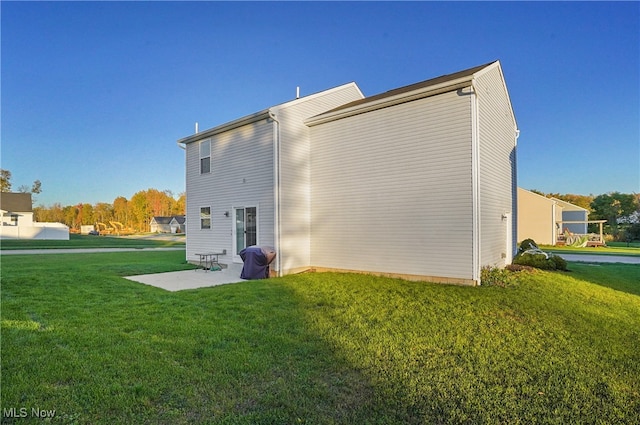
x=571 y=238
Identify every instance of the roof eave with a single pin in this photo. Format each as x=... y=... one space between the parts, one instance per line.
x=249 y=119
x=315 y=95
x=392 y=100
x=577 y=207
x=264 y=114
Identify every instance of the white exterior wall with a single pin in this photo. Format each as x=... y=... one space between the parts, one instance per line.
x=392 y=190
x=241 y=175
x=295 y=198
x=497 y=170
x=50 y=231
x=24 y=218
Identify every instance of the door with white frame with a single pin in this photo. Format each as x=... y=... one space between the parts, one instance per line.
x=509 y=233
x=245 y=229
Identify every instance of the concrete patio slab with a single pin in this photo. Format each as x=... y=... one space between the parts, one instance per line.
x=191 y=279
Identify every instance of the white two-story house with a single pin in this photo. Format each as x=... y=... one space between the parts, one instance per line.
x=417 y=182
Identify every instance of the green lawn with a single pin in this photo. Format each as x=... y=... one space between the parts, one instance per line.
x=553 y=348
x=84 y=241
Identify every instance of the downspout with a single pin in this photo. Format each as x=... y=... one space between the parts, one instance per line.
x=276 y=192
x=475 y=187
x=554 y=224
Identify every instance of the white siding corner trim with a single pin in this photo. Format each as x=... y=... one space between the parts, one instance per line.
x=276 y=191
x=475 y=190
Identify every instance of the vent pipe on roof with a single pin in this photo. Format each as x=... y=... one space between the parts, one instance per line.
x=298 y=92
x=196 y=127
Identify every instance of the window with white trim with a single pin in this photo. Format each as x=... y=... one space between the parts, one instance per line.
x=205 y=218
x=205 y=156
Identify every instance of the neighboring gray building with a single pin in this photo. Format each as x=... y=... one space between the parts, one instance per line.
x=171 y=224
x=418 y=182
x=571 y=212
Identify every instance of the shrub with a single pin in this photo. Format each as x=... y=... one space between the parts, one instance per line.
x=520 y=268
x=541 y=260
x=632 y=233
x=530 y=255
x=494 y=276
x=561 y=263
x=527 y=244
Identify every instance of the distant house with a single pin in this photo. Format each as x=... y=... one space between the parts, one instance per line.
x=17 y=220
x=16 y=209
x=572 y=213
x=172 y=224
x=417 y=182
x=548 y=220
x=537 y=217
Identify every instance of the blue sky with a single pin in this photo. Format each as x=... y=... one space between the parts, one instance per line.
x=95 y=94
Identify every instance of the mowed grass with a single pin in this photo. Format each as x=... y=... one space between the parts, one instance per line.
x=553 y=348
x=84 y=241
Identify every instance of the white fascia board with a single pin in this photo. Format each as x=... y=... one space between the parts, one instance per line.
x=548 y=200
x=258 y=116
x=391 y=101
x=294 y=102
x=565 y=204
x=249 y=119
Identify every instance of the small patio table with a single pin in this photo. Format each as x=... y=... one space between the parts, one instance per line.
x=208 y=259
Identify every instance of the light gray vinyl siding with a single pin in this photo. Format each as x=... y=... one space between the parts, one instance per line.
x=497 y=168
x=392 y=191
x=241 y=175
x=580 y=228
x=294 y=165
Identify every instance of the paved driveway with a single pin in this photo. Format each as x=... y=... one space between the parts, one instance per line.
x=590 y=258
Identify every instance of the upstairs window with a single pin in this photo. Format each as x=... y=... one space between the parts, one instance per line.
x=205 y=157
x=205 y=218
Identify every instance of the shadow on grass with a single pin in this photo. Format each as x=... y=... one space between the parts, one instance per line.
x=97 y=348
x=446 y=354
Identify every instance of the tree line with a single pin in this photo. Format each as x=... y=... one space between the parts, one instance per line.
x=135 y=213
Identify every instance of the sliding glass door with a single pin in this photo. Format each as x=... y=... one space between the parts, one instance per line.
x=245 y=229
